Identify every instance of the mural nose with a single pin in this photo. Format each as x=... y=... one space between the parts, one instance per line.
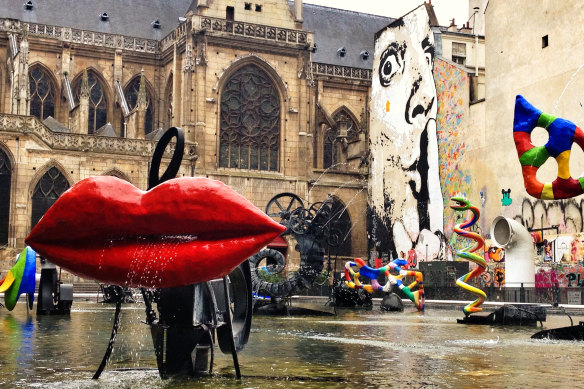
x=419 y=102
x=421 y=109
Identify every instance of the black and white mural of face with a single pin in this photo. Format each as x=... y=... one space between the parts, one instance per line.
x=405 y=199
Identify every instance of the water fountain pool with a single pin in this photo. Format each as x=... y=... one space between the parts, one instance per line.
x=356 y=347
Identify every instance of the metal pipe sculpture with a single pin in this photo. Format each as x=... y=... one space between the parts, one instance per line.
x=20 y=279
x=562 y=135
x=461 y=204
x=312 y=228
x=519 y=251
x=399 y=265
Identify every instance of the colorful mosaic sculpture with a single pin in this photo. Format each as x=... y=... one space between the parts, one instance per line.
x=399 y=265
x=20 y=279
x=461 y=204
x=562 y=135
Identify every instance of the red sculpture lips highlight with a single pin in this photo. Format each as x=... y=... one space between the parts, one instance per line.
x=183 y=231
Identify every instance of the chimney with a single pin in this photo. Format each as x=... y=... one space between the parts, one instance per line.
x=452 y=26
x=466 y=28
x=298 y=10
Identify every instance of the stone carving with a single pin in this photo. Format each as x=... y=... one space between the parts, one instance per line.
x=253 y=30
x=337 y=70
x=84 y=142
x=81 y=36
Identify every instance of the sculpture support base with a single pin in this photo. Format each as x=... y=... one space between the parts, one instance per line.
x=509 y=314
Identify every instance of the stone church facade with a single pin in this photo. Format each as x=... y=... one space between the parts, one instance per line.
x=271 y=100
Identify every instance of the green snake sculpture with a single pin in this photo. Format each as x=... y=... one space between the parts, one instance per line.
x=461 y=204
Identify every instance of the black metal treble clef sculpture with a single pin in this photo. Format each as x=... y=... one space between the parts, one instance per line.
x=153 y=180
x=190 y=316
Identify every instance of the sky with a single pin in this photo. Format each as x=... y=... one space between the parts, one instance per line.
x=445 y=9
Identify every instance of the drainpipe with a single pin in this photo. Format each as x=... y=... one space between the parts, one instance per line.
x=474 y=24
x=518 y=244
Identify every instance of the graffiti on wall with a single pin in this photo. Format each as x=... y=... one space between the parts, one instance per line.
x=567 y=215
x=496 y=254
x=493 y=276
x=405 y=199
x=566 y=276
x=506 y=200
x=451 y=88
x=451 y=85
x=565 y=248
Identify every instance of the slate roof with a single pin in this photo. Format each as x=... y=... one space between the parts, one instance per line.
x=106 y=130
x=55 y=125
x=126 y=17
x=155 y=134
x=335 y=28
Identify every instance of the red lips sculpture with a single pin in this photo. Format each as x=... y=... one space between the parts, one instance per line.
x=183 y=231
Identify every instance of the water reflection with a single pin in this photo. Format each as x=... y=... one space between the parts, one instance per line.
x=352 y=348
x=19 y=333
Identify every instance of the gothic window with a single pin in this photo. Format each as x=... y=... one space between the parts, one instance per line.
x=335 y=138
x=331 y=156
x=339 y=234
x=132 y=99
x=5 y=179
x=97 y=102
x=250 y=121
x=49 y=188
x=42 y=94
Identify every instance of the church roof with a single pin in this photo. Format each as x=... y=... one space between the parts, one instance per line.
x=126 y=17
x=334 y=29
x=106 y=130
x=55 y=125
x=155 y=134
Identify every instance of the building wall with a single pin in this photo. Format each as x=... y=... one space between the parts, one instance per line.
x=551 y=79
x=452 y=85
x=405 y=199
x=475 y=56
x=273 y=12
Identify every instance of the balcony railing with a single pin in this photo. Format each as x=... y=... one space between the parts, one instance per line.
x=84 y=142
x=250 y=30
x=92 y=38
x=341 y=71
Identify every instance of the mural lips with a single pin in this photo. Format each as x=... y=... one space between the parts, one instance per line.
x=183 y=231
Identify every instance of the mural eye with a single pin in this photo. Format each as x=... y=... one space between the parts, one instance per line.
x=388 y=66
